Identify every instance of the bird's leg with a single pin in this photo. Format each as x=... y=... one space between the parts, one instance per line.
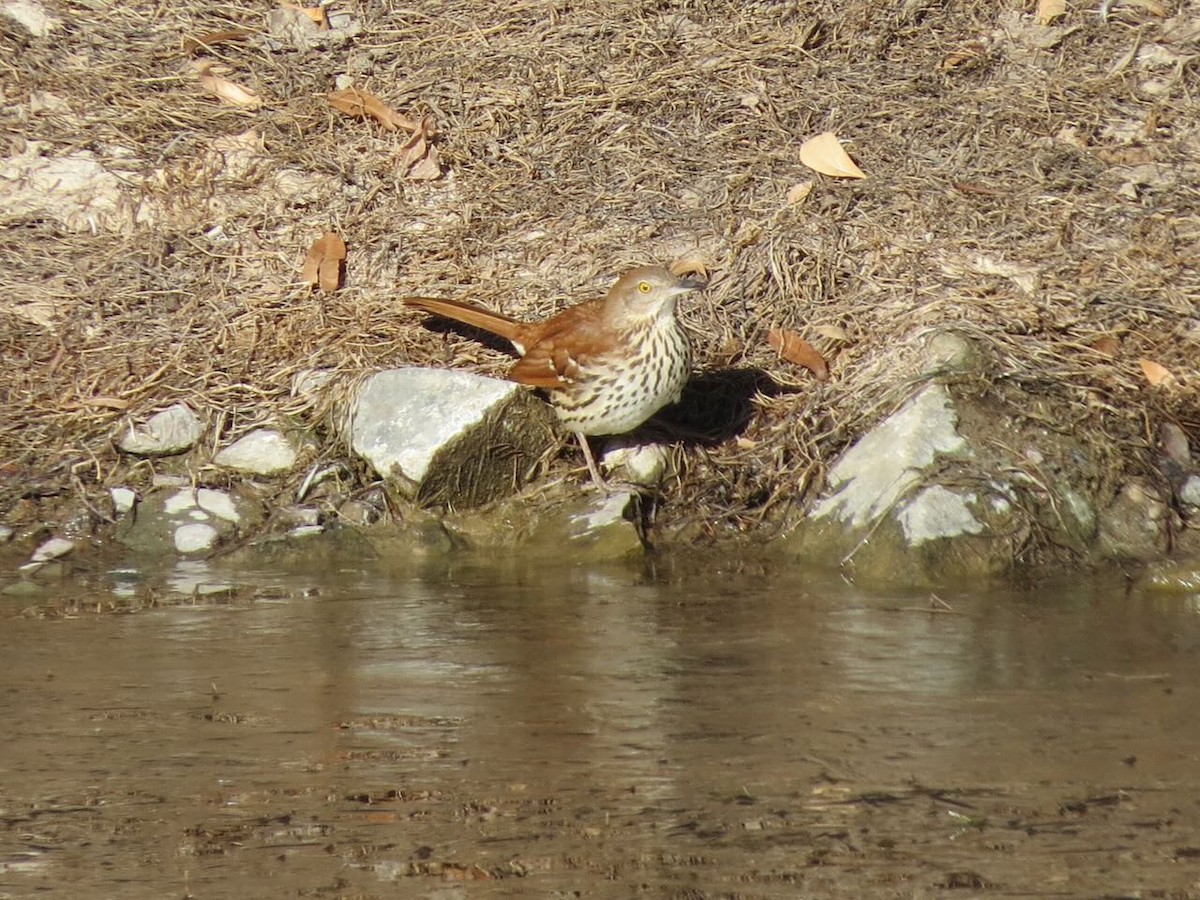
x=597 y=478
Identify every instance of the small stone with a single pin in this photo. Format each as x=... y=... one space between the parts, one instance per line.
x=219 y=503
x=195 y=537
x=52 y=549
x=1189 y=494
x=306 y=531
x=123 y=500
x=641 y=464
x=174 y=430
x=261 y=452
x=31 y=16
x=299 y=516
x=6 y=533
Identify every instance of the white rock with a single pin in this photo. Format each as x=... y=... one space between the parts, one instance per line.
x=171 y=431
x=608 y=511
x=6 y=533
x=219 y=503
x=123 y=500
x=1190 y=492
x=261 y=452
x=52 y=549
x=886 y=463
x=420 y=427
x=31 y=16
x=642 y=464
x=195 y=537
x=938 y=512
x=74 y=190
x=179 y=502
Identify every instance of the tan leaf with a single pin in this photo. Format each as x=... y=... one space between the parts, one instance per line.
x=225 y=90
x=794 y=348
x=316 y=13
x=418 y=156
x=323 y=265
x=427 y=169
x=1049 y=10
x=694 y=265
x=1106 y=345
x=355 y=102
x=825 y=154
x=833 y=332
x=1155 y=374
x=798 y=193
x=965 y=56
x=212 y=38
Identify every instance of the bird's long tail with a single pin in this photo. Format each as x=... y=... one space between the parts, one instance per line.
x=497 y=323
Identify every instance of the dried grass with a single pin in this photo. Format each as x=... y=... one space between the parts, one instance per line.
x=586 y=137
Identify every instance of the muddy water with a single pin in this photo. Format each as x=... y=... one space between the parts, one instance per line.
x=601 y=734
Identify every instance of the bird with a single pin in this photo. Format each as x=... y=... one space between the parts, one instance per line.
x=606 y=364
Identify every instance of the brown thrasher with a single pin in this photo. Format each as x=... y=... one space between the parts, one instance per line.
x=607 y=364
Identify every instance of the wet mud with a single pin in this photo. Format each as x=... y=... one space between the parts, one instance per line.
x=599 y=734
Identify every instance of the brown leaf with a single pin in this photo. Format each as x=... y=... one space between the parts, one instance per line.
x=794 y=348
x=427 y=169
x=1106 y=345
x=418 y=156
x=691 y=264
x=1049 y=10
x=798 y=193
x=323 y=265
x=824 y=153
x=211 y=38
x=316 y=13
x=355 y=102
x=225 y=90
x=1156 y=374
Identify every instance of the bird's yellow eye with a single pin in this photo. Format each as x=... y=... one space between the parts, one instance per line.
x=643 y=287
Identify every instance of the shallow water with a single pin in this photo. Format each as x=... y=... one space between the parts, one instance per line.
x=608 y=733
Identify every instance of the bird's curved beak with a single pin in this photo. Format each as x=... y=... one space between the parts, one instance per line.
x=687 y=285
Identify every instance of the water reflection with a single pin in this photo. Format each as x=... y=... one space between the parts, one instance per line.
x=497 y=713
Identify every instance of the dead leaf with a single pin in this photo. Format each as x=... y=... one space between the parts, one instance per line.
x=225 y=90
x=428 y=168
x=212 y=38
x=693 y=264
x=833 y=332
x=316 y=13
x=825 y=154
x=107 y=402
x=1158 y=376
x=355 y=102
x=965 y=56
x=323 y=265
x=1050 y=10
x=794 y=348
x=418 y=156
x=1107 y=345
x=798 y=193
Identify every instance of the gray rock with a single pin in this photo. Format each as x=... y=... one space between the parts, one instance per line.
x=641 y=464
x=261 y=452
x=195 y=537
x=1133 y=526
x=451 y=438
x=887 y=462
x=52 y=549
x=174 y=430
x=1189 y=493
x=185 y=521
